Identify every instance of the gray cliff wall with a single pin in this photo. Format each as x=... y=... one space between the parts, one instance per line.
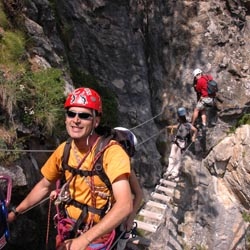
x=145 y=52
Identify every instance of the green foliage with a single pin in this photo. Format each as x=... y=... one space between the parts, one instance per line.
x=246 y=216
x=6 y=95
x=39 y=98
x=12 y=47
x=200 y=247
x=36 y=99
x=9 y=141
x=245 y=119
x=33 y=99
x=3 y=19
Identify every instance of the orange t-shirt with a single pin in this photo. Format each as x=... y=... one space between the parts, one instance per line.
x=115 y=163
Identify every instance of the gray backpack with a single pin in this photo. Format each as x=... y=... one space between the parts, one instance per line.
x=184 y=131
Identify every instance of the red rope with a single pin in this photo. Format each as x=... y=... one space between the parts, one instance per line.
x=48 y=225
x=92 y=184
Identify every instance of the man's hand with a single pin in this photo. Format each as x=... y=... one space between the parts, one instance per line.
x=79 y=243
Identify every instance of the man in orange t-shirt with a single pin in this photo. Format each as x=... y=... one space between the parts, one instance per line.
x=105 y=209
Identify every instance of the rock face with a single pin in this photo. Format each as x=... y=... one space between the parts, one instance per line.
x=220 y=188
x=145 y=51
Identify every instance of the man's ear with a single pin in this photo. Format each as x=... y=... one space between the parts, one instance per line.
x=97 y=122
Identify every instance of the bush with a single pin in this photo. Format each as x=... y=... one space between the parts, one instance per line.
x=3 y=19
x=12 y=47
x=39 y=98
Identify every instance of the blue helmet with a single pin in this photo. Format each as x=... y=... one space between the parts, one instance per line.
x=181 y=111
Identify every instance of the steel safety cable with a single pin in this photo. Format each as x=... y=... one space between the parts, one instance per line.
x=147 y=121
x=149 y=138
x=133 y=128
x=37 y=204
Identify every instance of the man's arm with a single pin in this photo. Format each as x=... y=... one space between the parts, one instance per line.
x=40 y=190
x=195 y=131
x=120 y=210
x=137 y=199
x=173 y=126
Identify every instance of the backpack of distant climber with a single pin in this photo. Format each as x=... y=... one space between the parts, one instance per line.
x=212 y=87
x=184 y=132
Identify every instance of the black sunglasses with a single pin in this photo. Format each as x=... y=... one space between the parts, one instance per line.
x=82 y=116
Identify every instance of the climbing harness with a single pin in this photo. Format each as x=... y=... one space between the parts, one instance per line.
x=183 y=150
x=64 y=197
x=125 y=235
x=66 y=227
x=4 y=202
x=4 y=230
x=8 y=180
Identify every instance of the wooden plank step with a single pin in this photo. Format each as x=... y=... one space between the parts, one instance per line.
x=156 y=204
x=150 y=214
x=167 y=190
x=146 y=226
x=160 y=197
x=168 y=183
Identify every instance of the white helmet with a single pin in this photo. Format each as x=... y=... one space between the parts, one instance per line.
x=196 y=72
x=133 y=137
x=128 y=140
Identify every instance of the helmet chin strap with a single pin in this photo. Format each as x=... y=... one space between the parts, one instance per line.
x=93 y=127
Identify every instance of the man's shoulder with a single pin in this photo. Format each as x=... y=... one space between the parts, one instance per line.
x=115 y=147
x=188 y=124
x=206 y=77
x=61 y=146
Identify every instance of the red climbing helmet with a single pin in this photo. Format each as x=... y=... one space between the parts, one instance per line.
x=84 y=97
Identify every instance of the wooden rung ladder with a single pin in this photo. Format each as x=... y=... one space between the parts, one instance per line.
x=149 y=214
x=161 y=197
x=146 y=226
x=156 y=204
x=163 y=193
x=166 y=190
x=168 y=183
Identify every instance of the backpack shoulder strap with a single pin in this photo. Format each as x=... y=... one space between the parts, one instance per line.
x=66 y=152
x=102 y=145
x=208 y=77
x=178 y=126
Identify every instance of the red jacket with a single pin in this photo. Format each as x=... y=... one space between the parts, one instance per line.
x=200 y=85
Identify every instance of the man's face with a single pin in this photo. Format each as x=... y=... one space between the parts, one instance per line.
x=79 y=122
x=198 y=76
